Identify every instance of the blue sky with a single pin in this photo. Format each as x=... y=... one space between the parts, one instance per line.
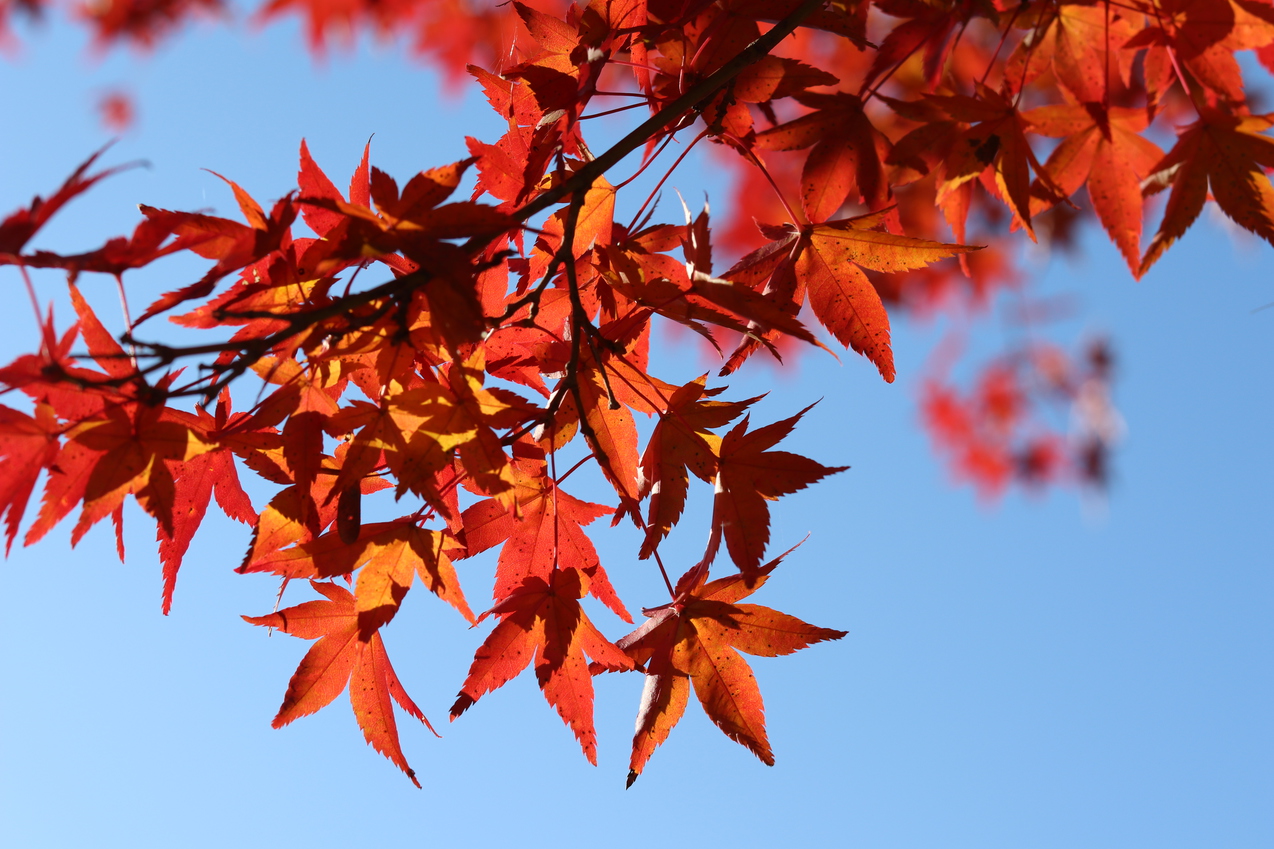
x=1041 y=672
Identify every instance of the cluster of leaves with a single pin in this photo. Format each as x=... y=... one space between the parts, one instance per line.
x=514 y=329
x=999 y=433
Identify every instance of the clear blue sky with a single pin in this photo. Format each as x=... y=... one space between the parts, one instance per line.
x=1037 y=673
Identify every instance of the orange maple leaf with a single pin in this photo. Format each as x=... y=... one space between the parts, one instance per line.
x=1106 y=151
x=344 y=655
x=1081 y=44
x=390 y=555
x=825 y=263
x=695 y=639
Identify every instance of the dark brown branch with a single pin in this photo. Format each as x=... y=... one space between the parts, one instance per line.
x=584 y=178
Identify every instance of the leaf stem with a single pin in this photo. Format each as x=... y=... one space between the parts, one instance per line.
x=797 y=218
x=662 y=179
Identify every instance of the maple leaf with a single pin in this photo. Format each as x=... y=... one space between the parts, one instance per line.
x=681 y=442
x=562 y=68
x=543 y=532
x=775 y=77
x=286 y=537
x=120 y=254
x=970 y=138
x=926 y=25
x=126 y=451
x=695 y=640
x=28 y=446
x=1202 y=36
x=106 y=352
x=822 y=261
x=613 y=435
x=18 y=229
x=389 y=554
x=232 y=244
x=394 y=556
x=541 y=621
x=324 y=18
x=594 y=223
x=749 y=475
x=117 y=448
x=343 y=656
x=512 y=168
x=1080 y=43
x=193 y=488
x=1228 y=154
x=315 y=184
x=38 y=375
x=1112 y=161
x=662 y=284
x=845 y=163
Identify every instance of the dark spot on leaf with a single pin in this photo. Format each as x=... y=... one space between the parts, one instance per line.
x=986 y=151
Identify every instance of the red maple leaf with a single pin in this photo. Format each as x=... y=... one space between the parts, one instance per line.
x=541 y=621
x=846 y=160
x=963 y=139
x=681 y=443
x=1226 y=153
x=122 y=253
x=193 y=488
x=28 y=446
x=1202 y=36
x=749 y=475
x=21 y=226
x=231 y=244
x=541 y=532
